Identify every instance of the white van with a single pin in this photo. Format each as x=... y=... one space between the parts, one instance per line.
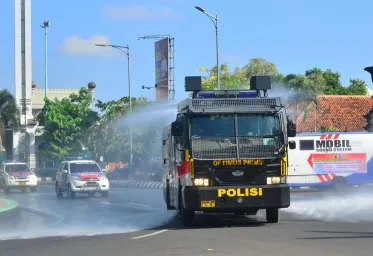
x=331 y=158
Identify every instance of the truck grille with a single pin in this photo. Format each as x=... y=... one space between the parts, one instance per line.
x=250 y=176
x=210 y=148
x=92 y=184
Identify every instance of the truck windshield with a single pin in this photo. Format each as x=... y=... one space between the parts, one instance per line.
x=224 y=125
x=213 y=125
x=83 y=167
x=17 y=168
x=258 y=125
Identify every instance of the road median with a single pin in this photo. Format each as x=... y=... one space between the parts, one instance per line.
x=8 y=209
x=119 y=183
x=135 y=184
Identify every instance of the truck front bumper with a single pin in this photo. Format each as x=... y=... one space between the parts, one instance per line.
x=236 y=198
x=86 y=187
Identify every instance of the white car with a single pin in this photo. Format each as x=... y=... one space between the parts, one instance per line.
x=16 y=174
x=81 y=176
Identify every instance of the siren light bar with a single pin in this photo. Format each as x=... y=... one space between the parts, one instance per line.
x=222 y=94
x=71 y=158
x=13 y=161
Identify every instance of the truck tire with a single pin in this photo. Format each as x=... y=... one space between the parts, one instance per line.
x=339 y=184
x=6 y=189
x=187 y=216
x=71 y=193
x=272 y=215
x=169 y=206
x=59 y=194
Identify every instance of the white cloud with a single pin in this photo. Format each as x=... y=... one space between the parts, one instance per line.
x=77 y=46
x=142 y=13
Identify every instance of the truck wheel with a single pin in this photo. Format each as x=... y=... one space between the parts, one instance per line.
x=272 y=215
x=187 y=216
x=59 y=194
x=169 y=206
x=70 y=192
x=339 y=184
x=6 y=189
x=105 y=193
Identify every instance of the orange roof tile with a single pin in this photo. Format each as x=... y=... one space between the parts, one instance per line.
x=340 y=111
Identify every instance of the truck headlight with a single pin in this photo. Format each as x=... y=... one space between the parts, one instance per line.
x=103 y=178
x=75 y=178
x=276 y=180
x=201 y=182
x=31 y=177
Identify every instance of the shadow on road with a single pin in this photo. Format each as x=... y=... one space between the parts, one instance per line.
x=209 y=221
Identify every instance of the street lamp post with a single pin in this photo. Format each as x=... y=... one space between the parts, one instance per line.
x=45 y=26
x=216 y=24
x=121 y=48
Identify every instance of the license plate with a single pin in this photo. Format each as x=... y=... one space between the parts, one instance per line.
x=22 y=183
x=208 y=204
x=89 y=189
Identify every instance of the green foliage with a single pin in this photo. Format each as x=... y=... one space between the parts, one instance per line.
x=110 y=137
x=305 y=87
x=65 y=123
x=9 y=111
x=331 y=128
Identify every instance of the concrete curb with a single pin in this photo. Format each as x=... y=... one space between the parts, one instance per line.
x=135 y=184
x=9 y=210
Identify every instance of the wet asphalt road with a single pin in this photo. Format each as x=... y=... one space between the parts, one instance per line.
x=315 y=224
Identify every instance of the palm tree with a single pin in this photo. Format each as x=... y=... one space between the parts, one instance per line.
x=9 y=112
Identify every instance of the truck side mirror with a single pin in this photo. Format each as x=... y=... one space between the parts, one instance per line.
x=292 y=144
x=176 y=129
x=291 y=129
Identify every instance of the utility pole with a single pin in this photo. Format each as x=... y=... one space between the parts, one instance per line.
x=216 y=24
x=121 y=48
x=45 y=26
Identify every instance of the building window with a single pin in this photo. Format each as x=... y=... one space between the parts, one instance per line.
x=306 y=145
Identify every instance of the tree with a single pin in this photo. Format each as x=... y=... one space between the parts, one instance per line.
x=66 y=122
x=357 y=87
x=240 y=77
x=304 y=91
x=9 y=113
x=259 y=67
x=110 y=137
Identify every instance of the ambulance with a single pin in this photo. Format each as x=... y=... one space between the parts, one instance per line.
x=332 y=159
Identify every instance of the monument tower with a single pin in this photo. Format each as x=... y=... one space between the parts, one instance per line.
x=22 y=138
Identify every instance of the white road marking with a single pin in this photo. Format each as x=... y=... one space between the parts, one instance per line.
x=151 y=234
x=139 y=204
x=123 y=205
x=42 y=194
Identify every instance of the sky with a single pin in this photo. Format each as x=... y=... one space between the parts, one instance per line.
x=294 y=34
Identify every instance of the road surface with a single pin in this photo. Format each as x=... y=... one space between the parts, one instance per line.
x=122 y=218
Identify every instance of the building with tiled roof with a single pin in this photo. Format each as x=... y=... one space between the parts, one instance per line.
x=341 y=112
